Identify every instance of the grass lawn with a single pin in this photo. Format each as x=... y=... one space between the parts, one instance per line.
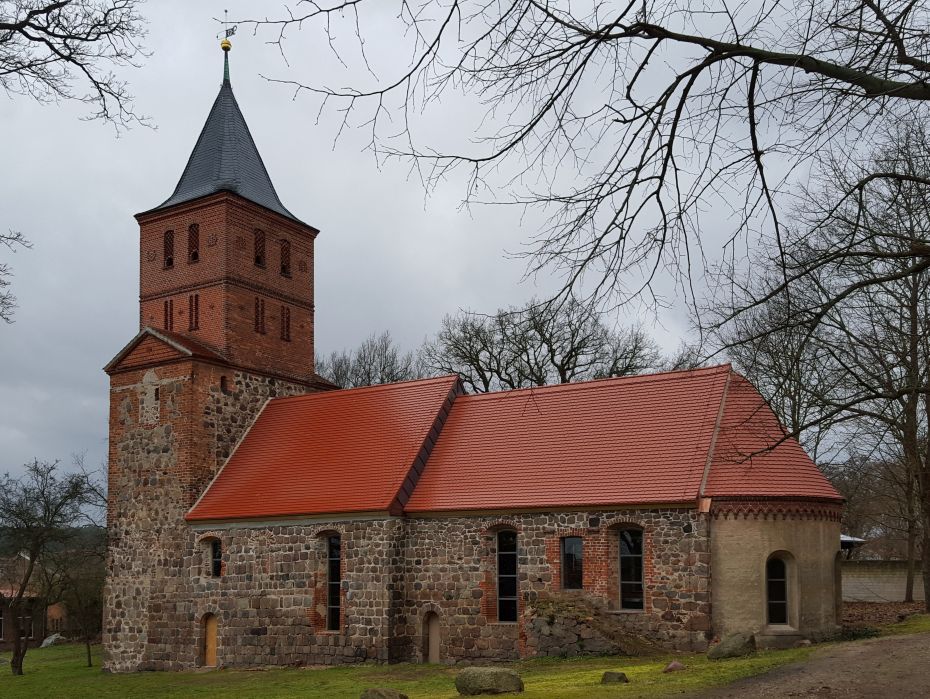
x=60 y=672
x=918 y=623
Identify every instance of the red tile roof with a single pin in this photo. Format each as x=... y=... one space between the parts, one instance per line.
x=333 y=452
x=625 y=441
x=746 y=464
x=639 y=439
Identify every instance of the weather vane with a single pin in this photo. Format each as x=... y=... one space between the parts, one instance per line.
x=227 y=30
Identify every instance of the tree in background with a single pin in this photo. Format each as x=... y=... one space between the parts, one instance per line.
x=851 y=288
x=38 y=515
x=627 y=121
x=543 y=343
x=377 y=360
x=11 y=241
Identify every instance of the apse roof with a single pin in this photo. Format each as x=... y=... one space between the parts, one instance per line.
x=225 y=159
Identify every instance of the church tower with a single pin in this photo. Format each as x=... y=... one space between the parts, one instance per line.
x=226 y=322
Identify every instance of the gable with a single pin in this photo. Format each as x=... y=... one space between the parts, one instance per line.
x=152 y=346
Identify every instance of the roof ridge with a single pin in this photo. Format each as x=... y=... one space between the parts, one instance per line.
x=369 y=389
x=609 y=380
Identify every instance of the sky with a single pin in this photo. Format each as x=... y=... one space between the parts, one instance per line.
x=389 y=255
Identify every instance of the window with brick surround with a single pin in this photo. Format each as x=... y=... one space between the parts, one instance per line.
x=259 y=315
x=169 y=315
x=285 y=323
x=259 y=248
x=507 y=576
x=169 y=249
x=193 y=312
x=285 y=258
x=572 y=555
x=193 y=243
x=216 y=558
x=333 y=581
x=631 y=569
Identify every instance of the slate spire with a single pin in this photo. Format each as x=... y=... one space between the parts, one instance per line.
x=225 y=158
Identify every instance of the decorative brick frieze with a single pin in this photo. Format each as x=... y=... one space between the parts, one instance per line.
x=775 y=508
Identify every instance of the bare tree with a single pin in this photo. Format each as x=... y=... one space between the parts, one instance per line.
x=627 y=121
x=377 y=360
x=855 y=290
x=67 y=50
x=38 y=513
x=11 y=241
x=543 y=343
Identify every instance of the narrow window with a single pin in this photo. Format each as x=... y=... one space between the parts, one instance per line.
x=169 y=314
x=507 y=576
x=169 y=249
x=285 y=258
x=259 y=248
x=259 y=315
x=333 y=582
x=631 y=569
x=193 y=312
x=216 y=558
x=571 y=563
x=776 y=583
x=25 y=627
x=224 y=385
x=285 y=323
x=193 y=243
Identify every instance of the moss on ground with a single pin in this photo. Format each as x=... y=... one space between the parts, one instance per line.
x=916 y=623
x=60 y=671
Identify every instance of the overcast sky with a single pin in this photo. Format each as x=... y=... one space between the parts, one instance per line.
x=387 y=256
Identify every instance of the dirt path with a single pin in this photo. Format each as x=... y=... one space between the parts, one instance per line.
x=897 y=667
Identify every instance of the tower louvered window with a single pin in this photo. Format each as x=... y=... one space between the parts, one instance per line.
x=285 y=258
x=193 y=312
x=193 y=243
x=259 y=315
x=259 y=248
x=169 y=249
x=285 y=323
x=169 y=315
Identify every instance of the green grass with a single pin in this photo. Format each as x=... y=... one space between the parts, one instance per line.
x=916 y=623
x=60 y=672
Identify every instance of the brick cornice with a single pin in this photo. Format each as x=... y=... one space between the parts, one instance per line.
x=231 y=280
x=776 y=508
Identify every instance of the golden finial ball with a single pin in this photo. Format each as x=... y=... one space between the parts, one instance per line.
x=225 y=45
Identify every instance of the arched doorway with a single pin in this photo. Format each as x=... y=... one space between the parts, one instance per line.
x=431 y=637
x=209 y=640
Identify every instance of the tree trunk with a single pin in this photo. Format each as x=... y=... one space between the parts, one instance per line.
x=911 y=558
x=926 y=551
x=19 y=650
x=90 y=662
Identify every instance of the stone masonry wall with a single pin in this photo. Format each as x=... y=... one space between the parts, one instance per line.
x=170 y=429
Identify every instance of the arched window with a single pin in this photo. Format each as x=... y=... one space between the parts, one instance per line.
x=216 y=558
x=333 y=581
x=285 y=258
x=285 y=323
x=259 y=315
x=259 y=248
x=169 y=249
x=224 y=385
x=193 y=243
x=507 y=576
x=572 y=563
x=193 y=312
x=776 y=586
x=631 y=569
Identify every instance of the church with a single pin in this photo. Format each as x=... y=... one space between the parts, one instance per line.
x=260 y=516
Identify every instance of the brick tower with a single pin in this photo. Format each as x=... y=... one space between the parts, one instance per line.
x=226 y=322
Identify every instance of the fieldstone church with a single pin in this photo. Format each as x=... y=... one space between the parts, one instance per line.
x=259 y=517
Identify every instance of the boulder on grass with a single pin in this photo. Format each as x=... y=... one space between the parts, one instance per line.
x=733 y=646
x=674 y=666
x=612 y=677
x=382 y=693
x=487 y=680
x=53 y=640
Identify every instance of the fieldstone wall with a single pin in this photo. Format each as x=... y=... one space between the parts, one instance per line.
x=171 y=428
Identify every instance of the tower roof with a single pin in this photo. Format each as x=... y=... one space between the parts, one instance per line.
x=225 y=158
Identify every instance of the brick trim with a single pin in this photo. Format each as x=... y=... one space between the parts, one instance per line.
x=768 y=508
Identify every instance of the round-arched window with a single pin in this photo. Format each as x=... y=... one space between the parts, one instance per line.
x=776 y=585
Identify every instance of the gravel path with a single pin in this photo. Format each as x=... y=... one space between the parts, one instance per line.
x=897 y=667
